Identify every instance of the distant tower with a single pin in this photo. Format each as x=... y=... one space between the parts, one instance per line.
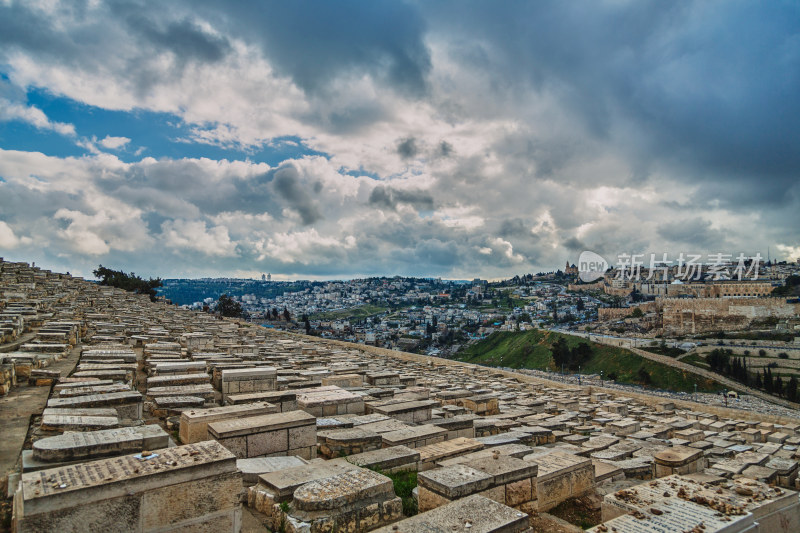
x=263 y=277
x=269 y=277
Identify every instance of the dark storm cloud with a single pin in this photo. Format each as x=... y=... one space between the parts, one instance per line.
x=407 y=148
x=315 y=41
x=445 y=149
x=515 y=227
x=574 y=244
x=692 y=231
x=707 y=89
x=382 y=196
x=437 y=253
x=286 y=183
x=185 y=39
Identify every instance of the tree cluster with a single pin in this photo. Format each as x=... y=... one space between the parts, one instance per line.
x=227 y=306
x=129 y=282
x=571 y=358
x=723 y=361
x=276 y=315
x=790 y=287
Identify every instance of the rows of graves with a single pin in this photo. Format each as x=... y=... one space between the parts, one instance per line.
x=177 y=420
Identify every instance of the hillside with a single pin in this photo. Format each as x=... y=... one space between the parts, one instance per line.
x=531 y=349
x=353 y=313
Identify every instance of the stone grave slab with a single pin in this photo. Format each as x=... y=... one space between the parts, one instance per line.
x=255 y=466
x=127 y=404
x=131 y=494
x=561 y=476
x=347 y=441
x=78 y=423
x=394 y=459
x=414 y=436
x=329 y=401
x=432 y=454
x=290 y=433
x=89 y=444
x=482 y=514
x=194 y=422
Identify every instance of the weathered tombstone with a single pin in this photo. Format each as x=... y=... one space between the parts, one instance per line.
x=291 y=433
x=156 y=493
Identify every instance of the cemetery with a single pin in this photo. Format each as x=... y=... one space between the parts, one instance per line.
x=122 y=414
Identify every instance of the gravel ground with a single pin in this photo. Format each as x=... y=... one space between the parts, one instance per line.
x=745 y=403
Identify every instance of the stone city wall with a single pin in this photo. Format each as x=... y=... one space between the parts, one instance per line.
x=697 y=315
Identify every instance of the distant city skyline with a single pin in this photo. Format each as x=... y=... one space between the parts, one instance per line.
x=321 y=140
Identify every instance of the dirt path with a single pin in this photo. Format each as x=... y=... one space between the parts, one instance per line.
x=18 y=407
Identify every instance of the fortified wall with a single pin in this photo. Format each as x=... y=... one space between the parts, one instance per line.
x=698 y=315
x=613 y=313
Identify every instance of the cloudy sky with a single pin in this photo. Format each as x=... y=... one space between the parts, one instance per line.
x=340 y=139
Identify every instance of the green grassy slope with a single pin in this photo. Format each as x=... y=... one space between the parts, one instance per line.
x=531 y=349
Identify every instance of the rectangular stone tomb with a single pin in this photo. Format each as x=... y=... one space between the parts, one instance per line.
x=431 y=454
x=171 y=380
x=336 y=493
x=254 y=467
x=278 y=487
x=414 y=436
x=92 y=389
x=504 y=479
x=194 y=422
x=165 y=405
x=482 y=514
x=155 y=494
x=88 y=444
x=774 y=509
x=458 y=426
x=246 y=380
x=78 y=423
x=389 y=460
x=561 y=476
x=678 y=460
x=411 y=412
x=291 y=433
x=161 y=369
x=379 y=379
x=512 y=450
x=356 y=500
x=676 y=515
x=344 y=380
x=480 y=404
x=203 y=390
x=329 y=401
x=347 y=441
x=285 y=400
x=127 y=404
